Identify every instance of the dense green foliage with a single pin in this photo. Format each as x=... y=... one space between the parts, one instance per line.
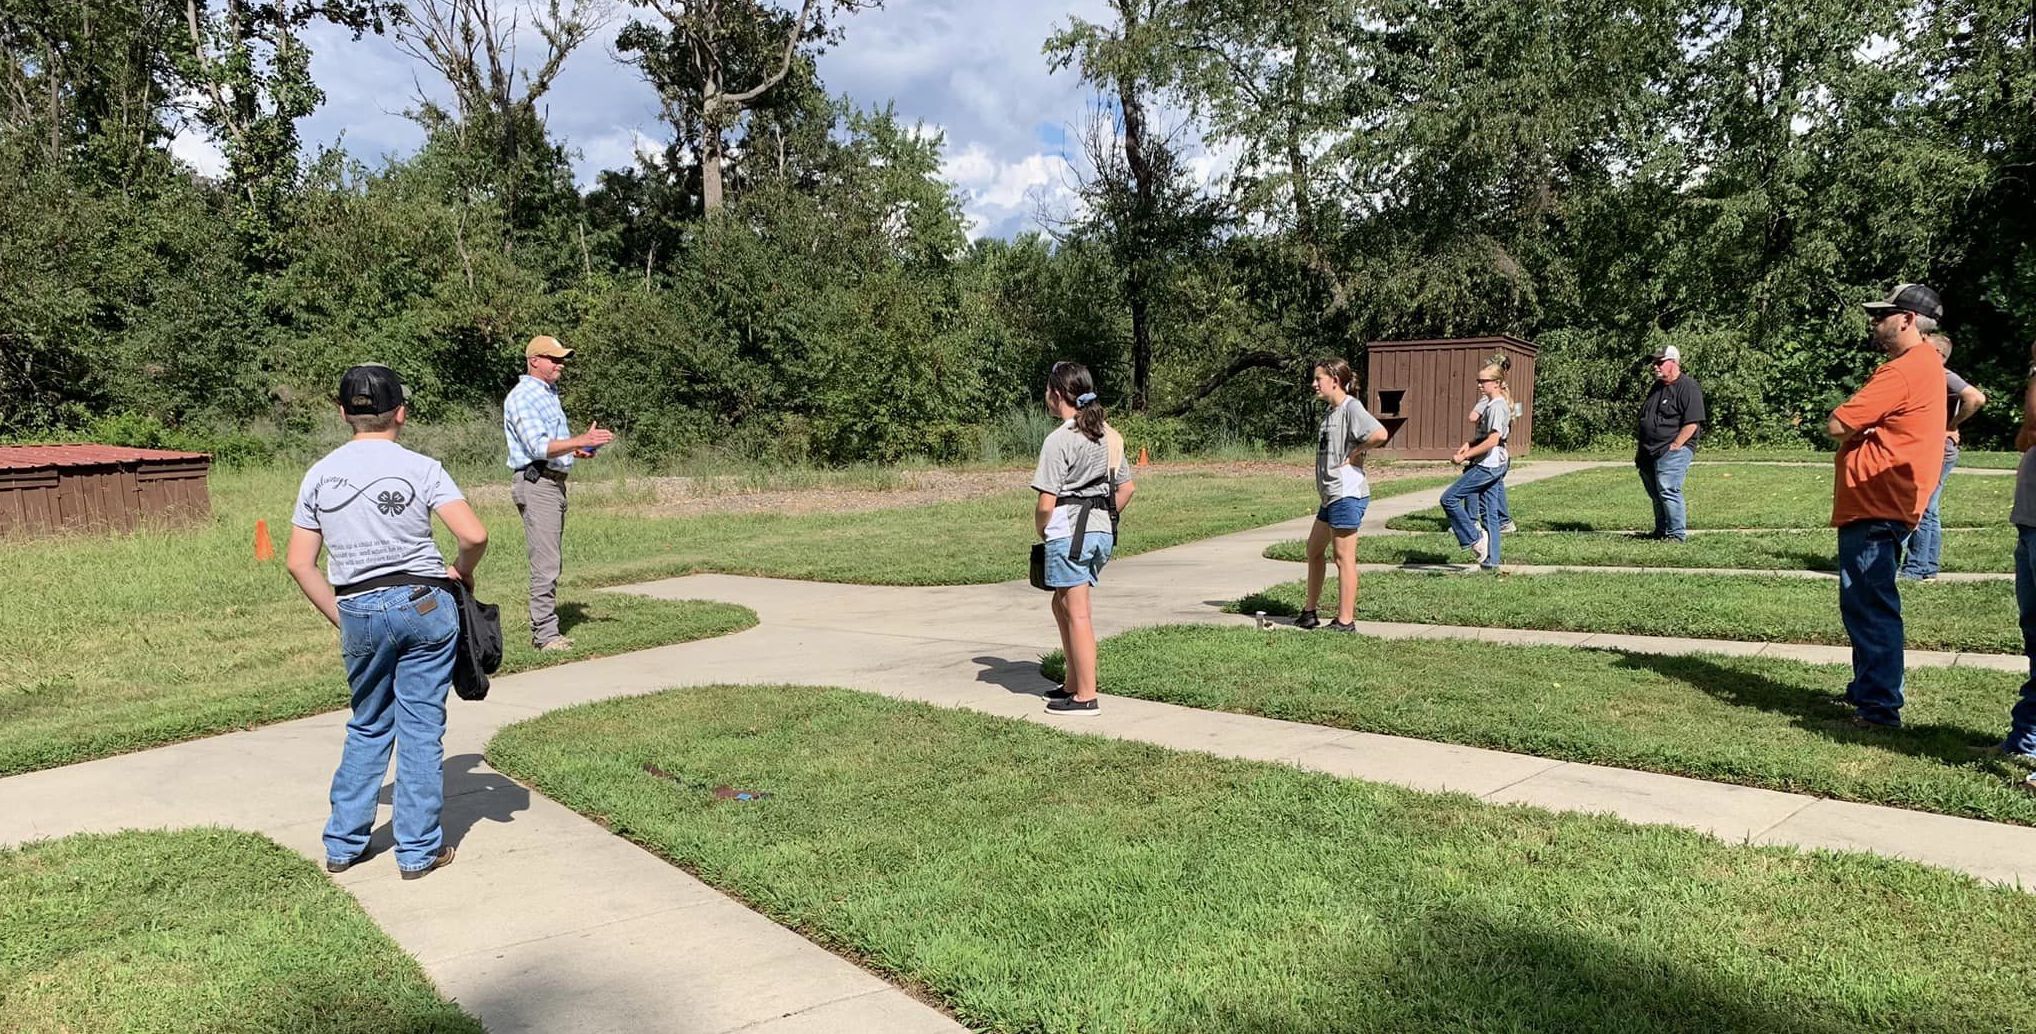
x=1731 y=176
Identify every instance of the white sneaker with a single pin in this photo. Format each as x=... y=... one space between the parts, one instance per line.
x=1508 y=528
x=1482 y=548
x=556 y=645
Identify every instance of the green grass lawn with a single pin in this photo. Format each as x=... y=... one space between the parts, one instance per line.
x=1965 y=550
x=1033 y=880
x=1972 y=616
x=1753 y=721
x=202 y=931
x=1977 y=458
x=138 y=640
x=1719 y=496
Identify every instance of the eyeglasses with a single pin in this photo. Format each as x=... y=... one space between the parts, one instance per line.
x=556 y=360
x=1876 y=317
x=1488 y=380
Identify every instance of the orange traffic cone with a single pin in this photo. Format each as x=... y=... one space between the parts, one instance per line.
x=264 y=549
x=1143 y=459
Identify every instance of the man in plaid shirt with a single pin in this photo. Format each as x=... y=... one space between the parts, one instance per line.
x=541 y=452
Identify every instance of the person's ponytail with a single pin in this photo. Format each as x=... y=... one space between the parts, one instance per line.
x=1072 y=382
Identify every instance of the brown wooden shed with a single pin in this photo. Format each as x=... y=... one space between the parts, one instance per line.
x=1423 y=390
x=46 y=488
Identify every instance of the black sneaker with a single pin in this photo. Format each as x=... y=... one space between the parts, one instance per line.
x=1343 y=626
x=1058 y=693
x=1069 y=705
x=1307 y=620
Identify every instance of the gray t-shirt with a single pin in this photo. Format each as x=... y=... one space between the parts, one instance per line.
x=1068 y=463
x=1344 y=427
x=372 y=502
x=1954 y=386
x=1494 y=415
x=2023 y=514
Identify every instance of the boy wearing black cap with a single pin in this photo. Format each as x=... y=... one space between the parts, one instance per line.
x=386 y=587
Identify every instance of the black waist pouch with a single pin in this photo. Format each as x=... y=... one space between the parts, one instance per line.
x=1038 y=573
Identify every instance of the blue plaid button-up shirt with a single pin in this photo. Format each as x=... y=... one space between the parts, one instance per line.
x=531 y=419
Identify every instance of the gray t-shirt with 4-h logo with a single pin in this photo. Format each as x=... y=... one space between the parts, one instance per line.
x=372 y=500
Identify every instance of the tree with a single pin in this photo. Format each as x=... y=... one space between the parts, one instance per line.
x=1140 y=196
x=252 y=72
x=471 y=44
x=717 y=59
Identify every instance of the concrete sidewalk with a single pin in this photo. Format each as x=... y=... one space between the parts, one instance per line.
x=1532 y=569
x=548 y=922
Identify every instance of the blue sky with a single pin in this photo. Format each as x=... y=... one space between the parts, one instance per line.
x=972 y=68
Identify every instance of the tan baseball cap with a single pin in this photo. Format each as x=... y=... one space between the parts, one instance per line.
x=545 y=344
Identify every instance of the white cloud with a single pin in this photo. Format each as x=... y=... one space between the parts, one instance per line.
x=192 y=147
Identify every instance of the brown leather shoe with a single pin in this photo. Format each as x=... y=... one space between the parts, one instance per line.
x=555 y=645
x=444 y=859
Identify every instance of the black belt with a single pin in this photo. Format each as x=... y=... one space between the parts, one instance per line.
x=390 y=581
x=540 y=469
x=1108 y=501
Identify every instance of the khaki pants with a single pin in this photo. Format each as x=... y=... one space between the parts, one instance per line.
x=543 y=506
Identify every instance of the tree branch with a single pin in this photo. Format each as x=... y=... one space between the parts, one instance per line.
x=1257 y=359
x=784 y=61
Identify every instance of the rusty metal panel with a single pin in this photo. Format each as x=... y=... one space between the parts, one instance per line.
x=48 y=488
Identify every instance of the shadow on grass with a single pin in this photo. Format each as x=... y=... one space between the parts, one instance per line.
x=570 y=616
x=1819 y=712
x=473 y=793
x=1459 y=971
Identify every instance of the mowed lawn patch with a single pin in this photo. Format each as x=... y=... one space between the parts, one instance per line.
x=1753 y=721
x=136 y=640
x=1977 y=459
x=1989 y=550
x=1737 y=495
x=1969 y=616
x=1038 y=881
x=206 y=931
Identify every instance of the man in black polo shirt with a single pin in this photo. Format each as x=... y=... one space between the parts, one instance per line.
x=1671 y=420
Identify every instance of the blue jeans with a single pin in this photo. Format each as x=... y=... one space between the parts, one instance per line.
x=398 y=653
x=1663 y=477
x=2022 y=719
x=1478 y=497
x=1868 y=553
x=1927 y=544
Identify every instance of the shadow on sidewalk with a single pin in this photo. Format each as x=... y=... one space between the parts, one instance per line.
x=1021 y=677
x=472 y=793
x=1817 y=711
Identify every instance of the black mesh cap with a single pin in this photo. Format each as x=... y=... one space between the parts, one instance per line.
x=1914 y=298
x=369 y=389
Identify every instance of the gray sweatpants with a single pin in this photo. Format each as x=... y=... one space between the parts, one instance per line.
x=543 y=506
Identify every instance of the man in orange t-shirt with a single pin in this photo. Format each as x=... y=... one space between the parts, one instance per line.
x=1890 y=456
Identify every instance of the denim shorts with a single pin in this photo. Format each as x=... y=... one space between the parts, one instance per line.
x=1061 y=573
x=1344 y=514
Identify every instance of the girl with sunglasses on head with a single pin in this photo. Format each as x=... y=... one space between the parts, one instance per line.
x=1476 y=504
x=1348 y=432
x=1084 y=485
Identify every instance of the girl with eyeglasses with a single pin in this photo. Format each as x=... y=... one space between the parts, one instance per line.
x=1084 y=484
x=1476 y=504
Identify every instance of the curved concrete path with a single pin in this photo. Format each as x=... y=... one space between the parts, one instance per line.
x=547 y=922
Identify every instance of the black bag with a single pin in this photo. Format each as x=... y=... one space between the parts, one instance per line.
x=1038 y=573
x=480 y=646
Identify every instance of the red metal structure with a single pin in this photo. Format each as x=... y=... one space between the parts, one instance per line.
x=45 y=488
x=1423 y=390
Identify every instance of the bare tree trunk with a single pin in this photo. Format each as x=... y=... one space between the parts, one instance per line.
x=710 y=171
x=1137 y=287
